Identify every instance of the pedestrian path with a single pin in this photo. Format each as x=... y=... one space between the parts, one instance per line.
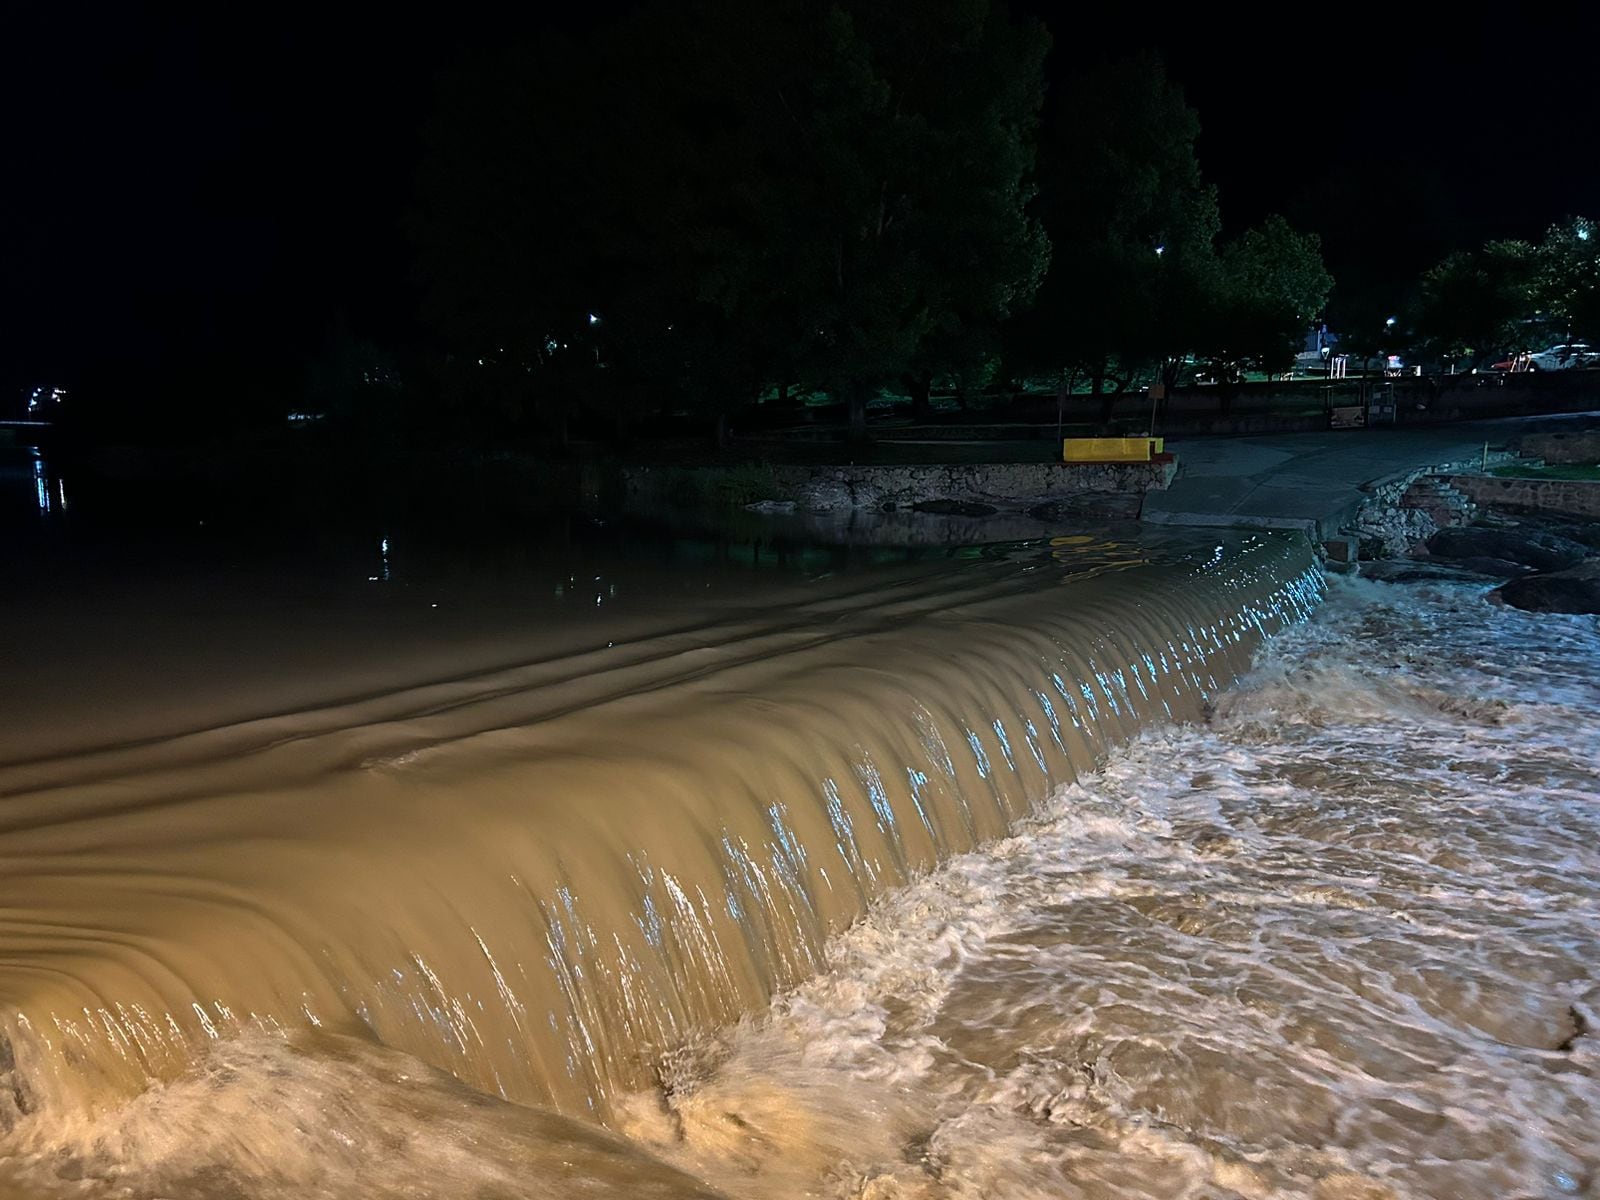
x=1316 y=481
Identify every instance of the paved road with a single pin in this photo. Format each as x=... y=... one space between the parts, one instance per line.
x=1315 y=481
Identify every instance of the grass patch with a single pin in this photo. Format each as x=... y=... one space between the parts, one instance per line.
x=1557 y=471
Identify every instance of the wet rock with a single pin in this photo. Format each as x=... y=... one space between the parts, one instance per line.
x=1573 y=1028
x=1388 y=532
x=1407 y=571
x=1575 y=590
x=1586 y=533
x=1574 y=529
x=954 y=508
x=1541 y=551
x=14 y=1100
x=1493 y=568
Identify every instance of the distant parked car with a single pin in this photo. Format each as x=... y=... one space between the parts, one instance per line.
x=1565 y=356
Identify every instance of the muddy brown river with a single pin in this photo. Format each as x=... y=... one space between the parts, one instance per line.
x=1095 y=865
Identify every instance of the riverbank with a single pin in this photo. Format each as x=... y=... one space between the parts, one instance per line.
x=964 y=489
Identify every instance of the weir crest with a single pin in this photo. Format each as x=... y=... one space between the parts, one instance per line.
x=541 y=878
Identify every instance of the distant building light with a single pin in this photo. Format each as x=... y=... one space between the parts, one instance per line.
x=1389 y=323
x=593 y=320
x=1160 y=250
x=37 y=396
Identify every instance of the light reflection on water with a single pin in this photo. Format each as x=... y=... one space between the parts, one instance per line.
x=187 y=512
x=30 y=488
x=1336 y=941
x=590 y=791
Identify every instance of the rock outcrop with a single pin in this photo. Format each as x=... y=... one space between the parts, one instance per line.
x=1541 y=551
x=1574 y=590
x=1405 y=570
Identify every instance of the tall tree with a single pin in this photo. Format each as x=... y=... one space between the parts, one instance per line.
x=914 y=173
x=1273 y=285
x=1476 y=301
x=505 y=224
x=1132 y=227
x=1569 y=276
x=803 y=190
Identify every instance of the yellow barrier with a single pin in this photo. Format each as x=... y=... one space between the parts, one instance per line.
x=1111 y=449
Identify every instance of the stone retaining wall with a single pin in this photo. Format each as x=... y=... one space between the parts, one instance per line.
x=833 y=488
x=1572 y=497
x=1563 y=447
x=1386 y=528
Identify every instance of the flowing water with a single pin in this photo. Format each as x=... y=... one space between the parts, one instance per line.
x=948 y=878
x=1342 y=939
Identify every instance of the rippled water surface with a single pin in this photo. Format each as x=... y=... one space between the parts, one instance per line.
x=1337 y=939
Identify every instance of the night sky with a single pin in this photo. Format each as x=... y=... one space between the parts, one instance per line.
x=191 y=185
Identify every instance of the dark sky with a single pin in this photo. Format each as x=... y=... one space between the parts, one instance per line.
x=196 y=184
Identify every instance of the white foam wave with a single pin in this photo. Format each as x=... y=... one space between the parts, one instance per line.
x=1340 y=942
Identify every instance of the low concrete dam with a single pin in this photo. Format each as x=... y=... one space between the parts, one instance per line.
x=506 y=896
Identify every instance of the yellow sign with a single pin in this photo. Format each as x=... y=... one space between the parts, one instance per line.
x=1111 y=449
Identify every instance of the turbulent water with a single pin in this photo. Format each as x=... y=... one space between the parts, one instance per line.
x=1340 y=940
x=1331 y=934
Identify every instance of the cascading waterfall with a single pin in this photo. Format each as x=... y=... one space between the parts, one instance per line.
x=540 y=879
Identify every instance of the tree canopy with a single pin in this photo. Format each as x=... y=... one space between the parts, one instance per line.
x=1476 y=300
x=1137 y=281
x=1132 y=225
x=1273 y=285
x=801 y=191
x=1568 y=276
x=1509 y=295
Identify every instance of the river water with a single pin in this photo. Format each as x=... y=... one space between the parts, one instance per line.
x=1338 y=940
x=755 y=872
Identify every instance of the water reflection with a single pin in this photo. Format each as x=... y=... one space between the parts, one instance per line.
x=384 y=570
x=160 y=510
x=30 y=486
x=566 y=793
